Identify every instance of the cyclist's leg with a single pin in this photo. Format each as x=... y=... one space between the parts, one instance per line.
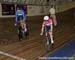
x=20 y=32
x=47 y=40
x=46 y=34
x=24 y=29
x=51 y=37
x=24 y=26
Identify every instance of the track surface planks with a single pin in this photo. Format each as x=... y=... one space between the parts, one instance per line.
x=33 y=47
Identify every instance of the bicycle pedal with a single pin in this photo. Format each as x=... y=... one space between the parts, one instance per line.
x=52 y=45
x=49 y=42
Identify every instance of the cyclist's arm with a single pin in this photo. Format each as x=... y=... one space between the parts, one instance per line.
x=51 y=25
x=42 y=29
x=24 y=16
x=16 y=16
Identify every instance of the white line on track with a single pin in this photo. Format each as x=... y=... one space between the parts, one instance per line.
x=12 y=56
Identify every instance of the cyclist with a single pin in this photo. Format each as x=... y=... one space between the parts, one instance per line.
x=47 y=25
x=21 y=18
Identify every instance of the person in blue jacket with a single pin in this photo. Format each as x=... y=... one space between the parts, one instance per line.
x=20 y=12
x=20 y=17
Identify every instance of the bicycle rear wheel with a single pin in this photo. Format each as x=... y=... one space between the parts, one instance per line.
x=20 y=33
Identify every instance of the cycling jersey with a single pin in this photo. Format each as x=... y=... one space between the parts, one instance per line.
x=20 y=14
x=48 y=23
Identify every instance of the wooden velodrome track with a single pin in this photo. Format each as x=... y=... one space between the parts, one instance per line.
x=33 y=47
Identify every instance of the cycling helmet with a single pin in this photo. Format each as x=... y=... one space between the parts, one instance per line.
x=46 y=18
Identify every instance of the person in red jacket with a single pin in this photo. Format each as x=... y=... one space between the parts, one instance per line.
x=47 y=25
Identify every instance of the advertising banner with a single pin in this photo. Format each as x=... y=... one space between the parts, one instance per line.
x=8 y=9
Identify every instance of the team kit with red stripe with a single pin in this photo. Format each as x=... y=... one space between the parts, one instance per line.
x=46 y=25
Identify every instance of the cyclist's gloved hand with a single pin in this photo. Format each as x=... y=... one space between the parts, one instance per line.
x=15 y=24
x=41 y=34
x=25 y=29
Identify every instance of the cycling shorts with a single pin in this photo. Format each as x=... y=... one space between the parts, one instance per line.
x=47 y=28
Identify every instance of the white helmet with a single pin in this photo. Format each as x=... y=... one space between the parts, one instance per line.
x=46 y=17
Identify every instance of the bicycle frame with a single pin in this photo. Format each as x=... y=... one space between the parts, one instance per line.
x=48 y=38
x=48 y=43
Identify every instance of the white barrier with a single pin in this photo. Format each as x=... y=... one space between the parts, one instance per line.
x=42 y=10
x=12 y=56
